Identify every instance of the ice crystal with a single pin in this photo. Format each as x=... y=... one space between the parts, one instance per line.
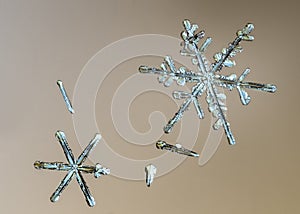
x=74 y=167
x=177 y=148
x=65 y=96
x=150 y=171
x=207 y=78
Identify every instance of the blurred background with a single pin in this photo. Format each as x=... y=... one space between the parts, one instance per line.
x=43 y=41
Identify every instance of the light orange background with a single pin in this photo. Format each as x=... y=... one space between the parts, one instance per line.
x=42 y=41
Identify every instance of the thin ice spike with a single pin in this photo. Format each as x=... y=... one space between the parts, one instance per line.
x=65 y=96
x=175 y=148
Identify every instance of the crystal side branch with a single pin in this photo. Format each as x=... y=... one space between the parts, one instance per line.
x=74 y=167
x=207 y=78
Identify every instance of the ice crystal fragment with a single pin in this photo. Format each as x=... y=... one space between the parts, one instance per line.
x=65 y=96
x=205 y=77
x=150 y=171
x=74 y=168
x=177 y=148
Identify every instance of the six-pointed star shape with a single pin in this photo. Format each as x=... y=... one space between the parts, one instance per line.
x=74 y=167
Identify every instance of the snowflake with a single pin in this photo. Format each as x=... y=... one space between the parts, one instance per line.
x=207 y=78
x=74 y=167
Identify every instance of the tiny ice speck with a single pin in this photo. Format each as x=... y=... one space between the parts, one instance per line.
x=150 y=171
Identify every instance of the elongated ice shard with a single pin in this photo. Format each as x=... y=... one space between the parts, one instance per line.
x=177 y=148
x=150 y=171
x=65 y=96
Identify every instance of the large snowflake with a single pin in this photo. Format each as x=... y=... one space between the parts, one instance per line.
x=207 y=78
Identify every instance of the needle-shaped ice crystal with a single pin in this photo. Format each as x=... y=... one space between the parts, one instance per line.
x=150 y=171
x=206 y=79
x=177 y=148
x=74 y=167
x=65 y=96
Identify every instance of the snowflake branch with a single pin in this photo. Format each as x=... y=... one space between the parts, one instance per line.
x=230 y=82
x=169 y=73
x=197 y=90
x=63 y=184
x=222 y=59
x=52 y=166
x=82 y=157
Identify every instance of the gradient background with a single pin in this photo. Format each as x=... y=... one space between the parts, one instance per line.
x=42 y=41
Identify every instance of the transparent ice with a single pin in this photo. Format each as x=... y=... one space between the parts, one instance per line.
x=65 y=96
x=74 y=167
x=207 y=78
x=177 y=148
x=150 y=171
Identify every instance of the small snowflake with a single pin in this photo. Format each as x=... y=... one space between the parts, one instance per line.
x=74 y=167
x=207 y=78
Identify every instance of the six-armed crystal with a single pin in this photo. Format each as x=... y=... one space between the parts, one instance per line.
x=206 y=78
x=74 y=167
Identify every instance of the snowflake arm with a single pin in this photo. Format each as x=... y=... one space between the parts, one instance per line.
x=63 y=184
x=230 y=82
x=82 y=157
x=168 y=73
x=61 y=137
